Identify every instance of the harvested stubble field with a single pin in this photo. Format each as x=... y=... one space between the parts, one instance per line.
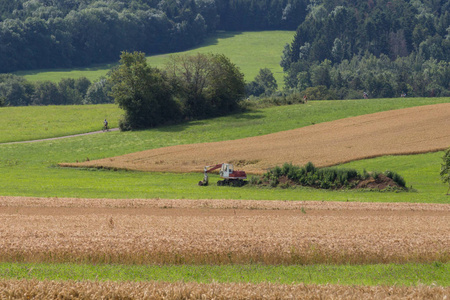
x=406 y=131
x=221 y=232
x=33 y=289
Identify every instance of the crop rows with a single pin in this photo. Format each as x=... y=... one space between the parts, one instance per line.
x=61 y=230
x=33 y=289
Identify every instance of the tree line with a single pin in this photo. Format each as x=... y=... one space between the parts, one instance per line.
x=377 y=77
x=17 y=91
x=341 y=48
x=38 y=34
x=385 y=48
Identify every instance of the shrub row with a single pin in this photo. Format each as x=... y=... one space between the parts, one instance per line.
x=324 y=178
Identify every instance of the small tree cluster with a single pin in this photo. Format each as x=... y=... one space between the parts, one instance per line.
x=191 y=87
x=142 y=92
x=205 y=84
x=263 y=84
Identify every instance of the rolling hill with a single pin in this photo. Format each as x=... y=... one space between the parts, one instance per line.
x=405 y=131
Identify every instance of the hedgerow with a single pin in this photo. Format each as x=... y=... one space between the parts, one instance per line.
x=323 y=178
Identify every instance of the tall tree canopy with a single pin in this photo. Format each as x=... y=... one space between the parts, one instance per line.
x=206 y=84
x=194 y=87
x=143 y=92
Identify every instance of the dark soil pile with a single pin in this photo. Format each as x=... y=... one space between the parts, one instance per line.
x=380 y=183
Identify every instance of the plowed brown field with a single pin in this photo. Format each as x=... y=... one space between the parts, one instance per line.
x=33 y=289
x=221 y=232
x=406 y=131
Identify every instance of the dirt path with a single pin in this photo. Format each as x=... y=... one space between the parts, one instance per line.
x=60 y=137
x=407 y=131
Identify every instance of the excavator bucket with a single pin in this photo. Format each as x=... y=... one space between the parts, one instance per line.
x=202 y=183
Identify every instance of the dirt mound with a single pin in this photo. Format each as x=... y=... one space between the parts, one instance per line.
x=407 y=131
x=380 y=183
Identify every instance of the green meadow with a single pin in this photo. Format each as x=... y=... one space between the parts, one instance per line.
x=30 y=169
x=250 y=51
x=39 y=122
x=391 y=274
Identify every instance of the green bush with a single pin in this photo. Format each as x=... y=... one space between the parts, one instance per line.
x=320 y=92
x=396 y=178
x=311 y=176
x=276 y=99
x=325 y=178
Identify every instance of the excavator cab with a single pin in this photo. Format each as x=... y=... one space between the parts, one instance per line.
x=226 y=170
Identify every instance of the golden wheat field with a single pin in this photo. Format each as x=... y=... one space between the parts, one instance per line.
x=405 y=131
x=221 y=232
x=33 y=289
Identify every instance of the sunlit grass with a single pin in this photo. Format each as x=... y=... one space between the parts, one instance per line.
x=250 y=51
x=30 y=169
x=37 y=122
x=400 y=275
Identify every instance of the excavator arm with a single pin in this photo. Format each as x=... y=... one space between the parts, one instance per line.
x=212 y=168
x=206 y=170
x=227 y=172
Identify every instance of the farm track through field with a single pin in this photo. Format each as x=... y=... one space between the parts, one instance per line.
x=161 y=231
x=26 y=289
x=406 y=131
x=59 y=137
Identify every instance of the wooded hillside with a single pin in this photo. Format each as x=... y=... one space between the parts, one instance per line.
x=342 y=48
x=386 y=48
x=46 y=34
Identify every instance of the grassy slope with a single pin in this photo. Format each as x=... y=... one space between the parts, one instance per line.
x=29 y=169
x=406 y=275
x=264 y=47
x=37 y=122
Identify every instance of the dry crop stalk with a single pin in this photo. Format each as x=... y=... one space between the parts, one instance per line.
x=27 y=289
x=142 y=231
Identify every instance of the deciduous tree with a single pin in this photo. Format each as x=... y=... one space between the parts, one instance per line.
x=143 y=92
x=206 y=84
x=445 y=169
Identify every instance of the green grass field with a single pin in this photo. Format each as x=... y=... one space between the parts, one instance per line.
x=250 y=51
x=38 y=122
x=400 y=275
x=31 y=169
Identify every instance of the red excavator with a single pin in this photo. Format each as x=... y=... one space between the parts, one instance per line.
x=227 y=172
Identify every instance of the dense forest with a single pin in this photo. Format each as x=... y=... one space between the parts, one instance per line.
x=65 y=33
x=342 y=48
x=386 y=48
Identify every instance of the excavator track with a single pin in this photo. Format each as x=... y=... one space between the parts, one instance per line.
x=231 y=182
